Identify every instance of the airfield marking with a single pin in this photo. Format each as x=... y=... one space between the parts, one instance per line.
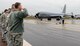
x=25 y=43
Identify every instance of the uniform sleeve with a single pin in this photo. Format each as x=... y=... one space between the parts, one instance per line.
x=22 y=14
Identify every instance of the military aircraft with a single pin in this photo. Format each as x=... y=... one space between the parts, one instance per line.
x=49 y=16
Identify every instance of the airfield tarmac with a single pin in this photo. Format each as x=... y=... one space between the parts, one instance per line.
x=47 y=33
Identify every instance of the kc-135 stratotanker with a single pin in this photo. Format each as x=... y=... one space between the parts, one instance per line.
x=49 y=16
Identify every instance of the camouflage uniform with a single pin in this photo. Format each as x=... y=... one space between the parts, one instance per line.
x=2 y=25
x=16 y=28
x=7 y=31
x=16 y=39
x=3 y=22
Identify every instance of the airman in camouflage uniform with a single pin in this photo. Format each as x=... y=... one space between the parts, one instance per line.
x=15 y=26
x=3 y=24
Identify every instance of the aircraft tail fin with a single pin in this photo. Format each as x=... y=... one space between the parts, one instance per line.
x=64 y=9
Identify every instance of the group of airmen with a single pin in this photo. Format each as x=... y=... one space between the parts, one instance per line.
x=11 y=24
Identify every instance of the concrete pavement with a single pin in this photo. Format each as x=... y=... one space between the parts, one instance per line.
x=41 y=33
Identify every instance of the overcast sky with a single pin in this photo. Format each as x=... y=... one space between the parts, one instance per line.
x=54 y=6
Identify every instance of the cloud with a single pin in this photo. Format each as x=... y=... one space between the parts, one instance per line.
x=35 y=6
